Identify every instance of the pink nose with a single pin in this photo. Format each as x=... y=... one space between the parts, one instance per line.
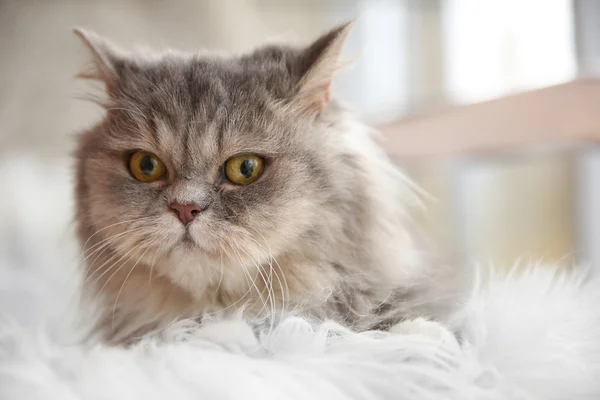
x=185 y=212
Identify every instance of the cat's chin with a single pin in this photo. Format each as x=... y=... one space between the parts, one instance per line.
x=196 y=270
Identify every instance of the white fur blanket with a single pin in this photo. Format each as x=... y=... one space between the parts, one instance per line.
x=531 y=336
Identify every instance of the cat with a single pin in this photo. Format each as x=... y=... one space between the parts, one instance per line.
x=217 y=184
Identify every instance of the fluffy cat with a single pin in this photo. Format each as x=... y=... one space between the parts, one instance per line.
x=218 y=183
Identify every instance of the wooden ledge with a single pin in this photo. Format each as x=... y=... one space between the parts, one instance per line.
x=564 y=113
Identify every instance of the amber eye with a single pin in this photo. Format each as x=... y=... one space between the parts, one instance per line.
x=146 y=167
x=244 y=169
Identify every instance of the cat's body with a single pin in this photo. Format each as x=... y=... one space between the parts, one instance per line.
x=322 y=231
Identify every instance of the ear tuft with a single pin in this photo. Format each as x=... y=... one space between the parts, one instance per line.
x=105 y=59
x=320 y=61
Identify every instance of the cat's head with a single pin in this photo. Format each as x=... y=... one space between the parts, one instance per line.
x=213 y=160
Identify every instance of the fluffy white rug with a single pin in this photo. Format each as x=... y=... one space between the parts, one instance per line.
x=535 y=335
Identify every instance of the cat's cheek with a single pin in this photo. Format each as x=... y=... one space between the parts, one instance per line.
x=146 y=242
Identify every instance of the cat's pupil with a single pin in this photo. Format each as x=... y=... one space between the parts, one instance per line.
x=147 y=165
x=247 y=168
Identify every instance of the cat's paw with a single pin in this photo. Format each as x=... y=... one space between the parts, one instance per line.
x=429 y=329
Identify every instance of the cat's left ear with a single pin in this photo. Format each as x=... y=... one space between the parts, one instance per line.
x=106 y=60
x=319 y=62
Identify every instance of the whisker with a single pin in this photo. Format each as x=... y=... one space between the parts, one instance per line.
x=111 y=267
x=89 y=275
x=154 y=261
x=271 y=260
x=247 y=272
x=270 y=295
x=222 y=272
x=238 y=300
x=107 y=227
x=103 y=243
x=123 y=284
x=102 y=250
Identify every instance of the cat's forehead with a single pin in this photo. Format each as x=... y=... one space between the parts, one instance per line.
x=267 y=73
x=180 y=89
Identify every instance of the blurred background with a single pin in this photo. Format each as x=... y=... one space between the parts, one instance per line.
x=430 y=73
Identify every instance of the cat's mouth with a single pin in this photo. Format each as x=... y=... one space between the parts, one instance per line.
x=187 y=239
x=188 y=242
x=189 y=245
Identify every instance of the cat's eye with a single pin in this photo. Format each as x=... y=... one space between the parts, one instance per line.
x=243 y=169
x=146 y=167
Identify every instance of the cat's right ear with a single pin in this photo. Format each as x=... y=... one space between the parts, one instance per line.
x=106 y=60
x=319 y=62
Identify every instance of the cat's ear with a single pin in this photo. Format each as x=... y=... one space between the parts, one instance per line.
x=319 y=62
x=106 y=60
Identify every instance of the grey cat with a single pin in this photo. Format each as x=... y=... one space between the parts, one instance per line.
x=217 y=184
